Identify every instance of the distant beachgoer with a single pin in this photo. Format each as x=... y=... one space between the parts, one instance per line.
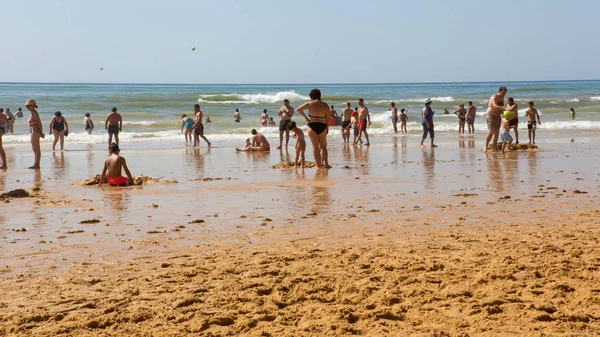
x=461 y=113
x=114 y=125
x=236 y=116
x=19 y=113
x=572 y=114
x=4 y=122
x=403 y=120
x=199 y=127
x=2 y=132
x=318 y=126
x=514 y=123
x=300 y=143
x=258 y=142
x=272 y=122
x=427 y=122
x=533 y=119
x=37 y=131
x=394 y=117
x=88 y=123
x=364 y=120
x=112 y=168
x=286 y=112
x=10 y=122
x=445 y=111
x=207 y=120
x=346 y=118
x=334 y=113
x=471 y=114
x=505 y=136
x=494 y=118
x=264 y=118
x=187 y=125
x=60 y=128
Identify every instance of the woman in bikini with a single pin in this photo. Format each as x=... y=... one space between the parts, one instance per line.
x=2 y=132
x=37 y=131
x=60 y=128
x=318 y=116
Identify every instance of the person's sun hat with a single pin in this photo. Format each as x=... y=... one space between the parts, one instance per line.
x=428 y=101
x=30 y=102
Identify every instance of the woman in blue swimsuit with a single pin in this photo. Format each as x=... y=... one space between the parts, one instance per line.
x=187 y=123
x=318 y=126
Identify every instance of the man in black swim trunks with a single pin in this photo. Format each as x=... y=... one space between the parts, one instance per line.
x=286 y=112
x=198 y=127
x=114 y=124
x=346 y=119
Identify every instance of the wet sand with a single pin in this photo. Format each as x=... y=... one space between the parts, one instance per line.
x=394 y=240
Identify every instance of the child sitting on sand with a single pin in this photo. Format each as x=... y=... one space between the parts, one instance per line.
x=300 y=143
x=505 y=135
x=112 y=169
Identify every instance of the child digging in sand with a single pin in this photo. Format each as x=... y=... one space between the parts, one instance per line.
x=300 y=143
x=112 y=169
x=505 y=135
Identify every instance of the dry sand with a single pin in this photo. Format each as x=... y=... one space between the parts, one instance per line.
x=411 y=242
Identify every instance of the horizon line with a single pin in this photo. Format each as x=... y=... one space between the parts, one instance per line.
x=290 y=84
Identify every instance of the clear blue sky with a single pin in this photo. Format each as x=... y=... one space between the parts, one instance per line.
x=308 y=41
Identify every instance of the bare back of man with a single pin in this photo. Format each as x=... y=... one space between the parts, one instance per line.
x=114 y=125
x=112 y=170
x=257 y=142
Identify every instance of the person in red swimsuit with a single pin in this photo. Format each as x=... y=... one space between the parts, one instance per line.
x=112 y=169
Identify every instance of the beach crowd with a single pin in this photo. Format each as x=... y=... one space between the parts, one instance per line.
x=501 y=118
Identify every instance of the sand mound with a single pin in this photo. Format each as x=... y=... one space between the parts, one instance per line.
x=518 y=147
x=139 y=180
x=288 y=164
x=19 y=193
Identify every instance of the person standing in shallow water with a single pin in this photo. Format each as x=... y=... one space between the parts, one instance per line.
x=514 y=123
x=37 y=131
x=572 y=114
x=364 y=120
x=59 y=128
x=427 y=122
x=346 y=118
x=199 y=127
x=461 y=113
x=318 y=126
x=2 y=132
x=471 y=113
x=394 y=117
x=88 y=123
x=114 y=125
x=236 y=116
x=494 y=118
x=286 y=112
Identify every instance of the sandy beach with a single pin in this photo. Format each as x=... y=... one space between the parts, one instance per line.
x=393 y=241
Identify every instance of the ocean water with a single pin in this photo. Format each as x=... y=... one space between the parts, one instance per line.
x=152 y=112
